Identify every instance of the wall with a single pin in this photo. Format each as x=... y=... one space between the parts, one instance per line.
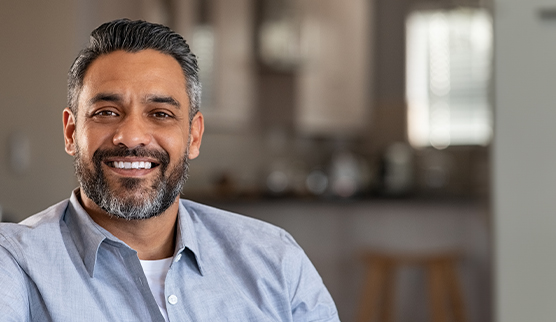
x=523 y=161
x=37 y=40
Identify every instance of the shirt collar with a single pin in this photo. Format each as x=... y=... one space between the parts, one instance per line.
x=187 y=237
x=88 y=235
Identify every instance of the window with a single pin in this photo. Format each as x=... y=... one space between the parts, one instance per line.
x=448 y=76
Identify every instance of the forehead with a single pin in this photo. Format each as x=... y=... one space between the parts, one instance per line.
x=139 y=72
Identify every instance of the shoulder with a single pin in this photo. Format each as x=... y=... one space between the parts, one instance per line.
x=234 y=229
x=244 y=243
x=33 y=231
x=255 y=250
x=49 y=215
x=21 y=246
x=225 y=218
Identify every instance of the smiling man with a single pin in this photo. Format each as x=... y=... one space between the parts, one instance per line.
x=125 y=247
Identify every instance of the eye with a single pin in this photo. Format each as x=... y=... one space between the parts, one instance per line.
x=105 y=113
x=161 y=115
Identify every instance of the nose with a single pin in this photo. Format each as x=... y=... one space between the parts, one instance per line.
x=132 y=132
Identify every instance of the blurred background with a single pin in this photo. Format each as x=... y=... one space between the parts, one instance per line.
x=386 y=135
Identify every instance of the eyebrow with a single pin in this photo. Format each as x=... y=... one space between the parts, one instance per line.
x=117 y=98
x=163 y=99
x=106 y=97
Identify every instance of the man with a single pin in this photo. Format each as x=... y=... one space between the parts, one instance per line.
x=124 y=247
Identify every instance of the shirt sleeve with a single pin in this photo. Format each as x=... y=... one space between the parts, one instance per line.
x=13 y=300
x=310 y=300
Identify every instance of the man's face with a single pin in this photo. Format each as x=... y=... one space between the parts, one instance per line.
x=131 y=137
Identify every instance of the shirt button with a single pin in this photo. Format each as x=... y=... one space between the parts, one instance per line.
x=172 y=299
x=178 y=257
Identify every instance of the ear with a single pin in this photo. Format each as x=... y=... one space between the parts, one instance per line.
x=196 y=135
x=69 y=131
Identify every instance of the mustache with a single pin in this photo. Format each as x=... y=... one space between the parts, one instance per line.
x=162 y=157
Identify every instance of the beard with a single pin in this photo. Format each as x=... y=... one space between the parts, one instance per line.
x=137 y=199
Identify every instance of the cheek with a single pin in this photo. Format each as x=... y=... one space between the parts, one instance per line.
x=88 y=141
x=175 y=143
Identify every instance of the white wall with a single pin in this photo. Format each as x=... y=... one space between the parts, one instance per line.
x=524 y=162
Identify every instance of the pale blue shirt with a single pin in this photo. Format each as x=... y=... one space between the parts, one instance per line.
x=59 y=265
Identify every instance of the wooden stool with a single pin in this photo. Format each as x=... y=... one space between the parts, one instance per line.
x=444 y=288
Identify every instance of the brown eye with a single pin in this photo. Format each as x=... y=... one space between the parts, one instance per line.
x=105 y=113
x=161 y=115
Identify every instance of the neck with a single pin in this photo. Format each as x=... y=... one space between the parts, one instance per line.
x=153 y=238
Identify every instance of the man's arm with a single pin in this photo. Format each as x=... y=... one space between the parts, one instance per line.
x=14 y=305
x=310 y=300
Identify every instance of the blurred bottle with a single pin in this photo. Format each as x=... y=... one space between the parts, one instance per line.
x=346 y=174
x=317 y=182
x=398 y=169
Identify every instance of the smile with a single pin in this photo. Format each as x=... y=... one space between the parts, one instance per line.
x=130 y=165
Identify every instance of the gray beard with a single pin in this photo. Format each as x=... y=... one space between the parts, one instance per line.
x=152 y=201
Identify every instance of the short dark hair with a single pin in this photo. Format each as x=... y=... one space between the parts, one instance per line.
x=134 y=36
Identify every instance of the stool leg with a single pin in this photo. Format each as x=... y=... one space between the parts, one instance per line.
x=454 y=289
x=436 y=292
x=369 y=305
x=389 y=292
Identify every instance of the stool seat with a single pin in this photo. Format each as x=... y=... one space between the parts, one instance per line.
x=446 y=300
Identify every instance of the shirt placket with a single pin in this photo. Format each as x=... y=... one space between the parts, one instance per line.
x=134 y=267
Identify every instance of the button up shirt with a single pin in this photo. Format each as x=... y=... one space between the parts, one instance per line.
x=59 y=265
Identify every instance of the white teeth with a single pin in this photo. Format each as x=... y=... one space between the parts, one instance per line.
x=132 y=165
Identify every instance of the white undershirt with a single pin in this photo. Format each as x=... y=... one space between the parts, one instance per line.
x=155 y=271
